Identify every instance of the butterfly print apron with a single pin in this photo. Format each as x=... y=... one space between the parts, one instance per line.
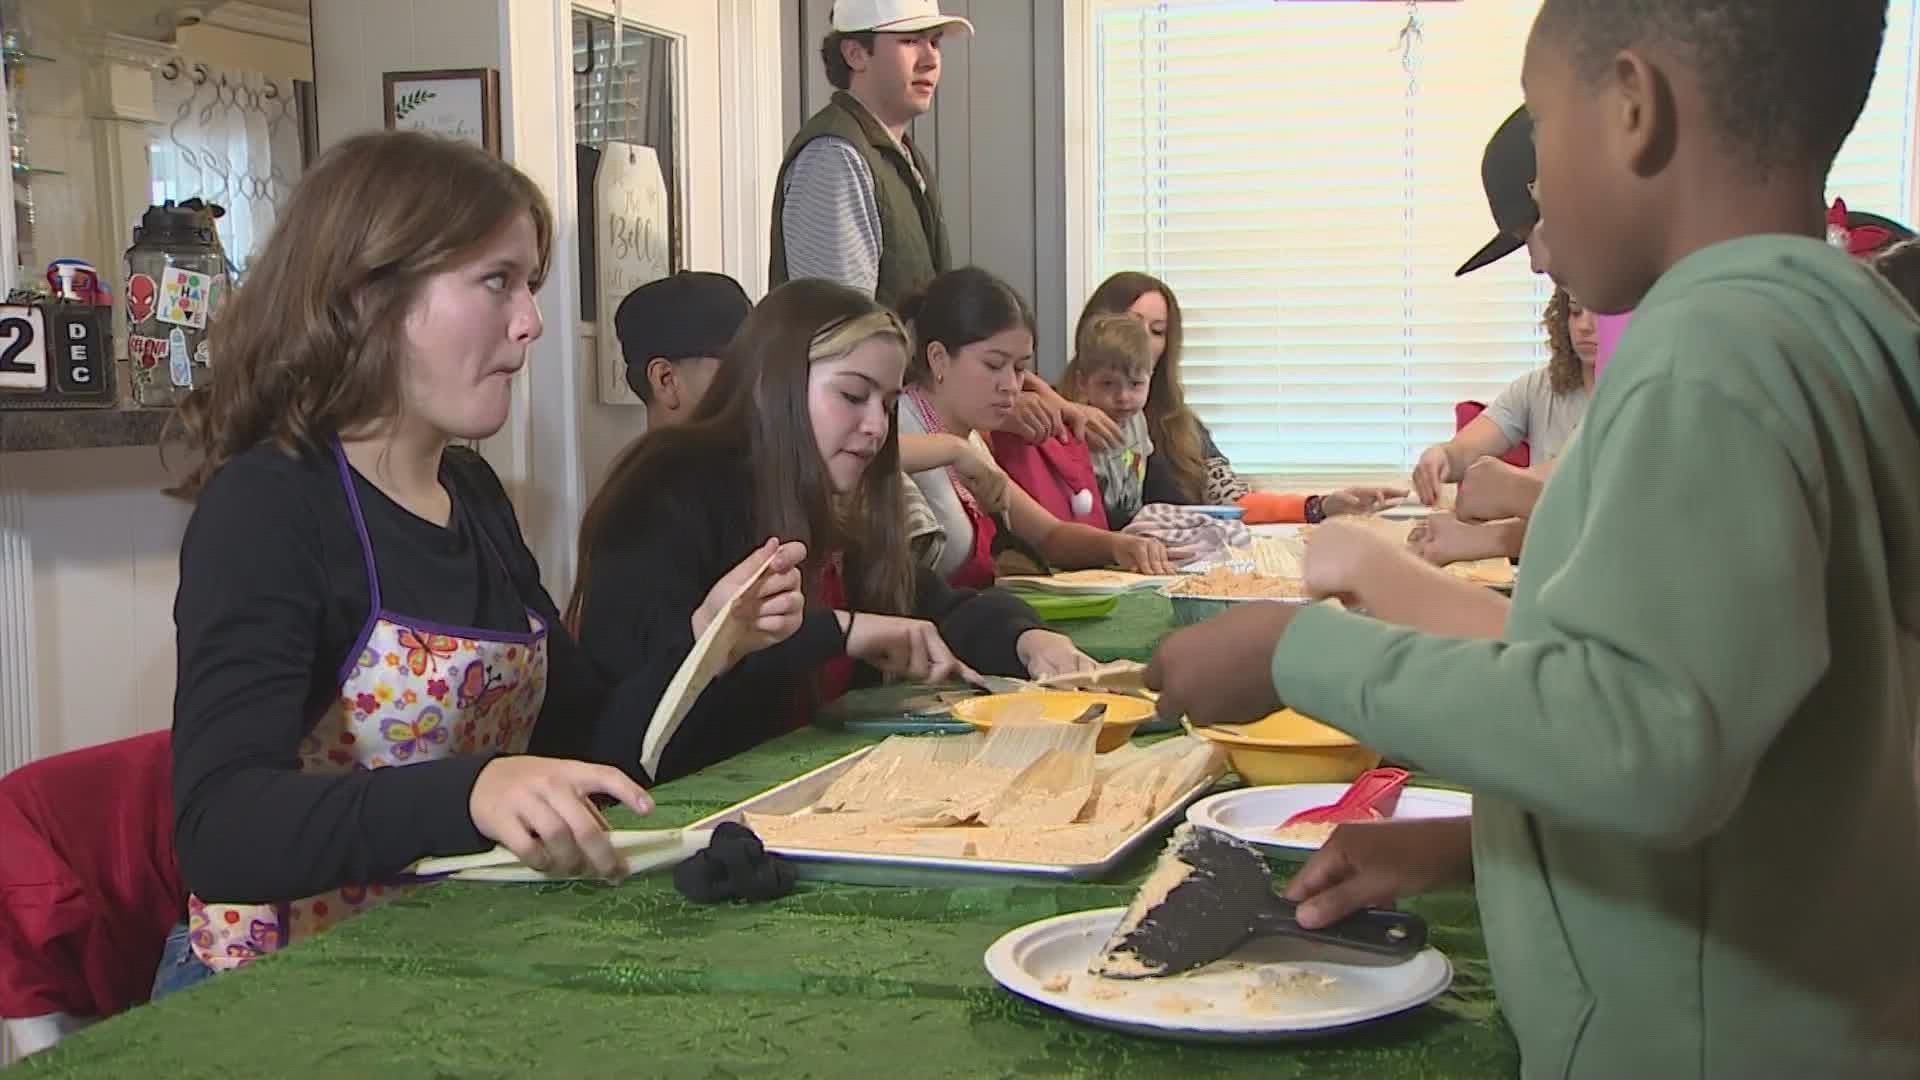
x=410 y=691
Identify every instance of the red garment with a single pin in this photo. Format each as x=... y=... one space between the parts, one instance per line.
x=836 y=675
x=1463 y=414
x=89 y=887
x=1053 y=471
x=977 y=571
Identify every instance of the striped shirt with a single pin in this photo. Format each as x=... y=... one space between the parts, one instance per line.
x=831 y=219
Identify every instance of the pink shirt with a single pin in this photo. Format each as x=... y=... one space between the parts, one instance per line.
x=1608 y=330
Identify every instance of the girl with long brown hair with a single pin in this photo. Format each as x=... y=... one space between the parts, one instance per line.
x=795 y=438
x=1542 y=408
x=973 y=343
x=365 y=650
x=1186 y=467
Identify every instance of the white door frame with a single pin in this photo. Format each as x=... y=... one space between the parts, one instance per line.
x=538 y=453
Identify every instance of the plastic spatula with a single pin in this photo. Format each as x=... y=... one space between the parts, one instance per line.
x=1222 y=897
x=1373 y=794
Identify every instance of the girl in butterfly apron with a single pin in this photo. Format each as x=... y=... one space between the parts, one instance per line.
x=794 y=438
x=370 y=672
x=973 y=341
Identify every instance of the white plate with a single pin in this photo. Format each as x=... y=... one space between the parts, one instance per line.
x=1253 y=814
x=1409 y=510
x=1212 y=1004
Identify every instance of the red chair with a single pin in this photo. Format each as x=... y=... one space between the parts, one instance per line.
x=1463 y=415
x=89 y=886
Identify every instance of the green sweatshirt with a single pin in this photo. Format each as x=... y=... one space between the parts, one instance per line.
x=1696 y=822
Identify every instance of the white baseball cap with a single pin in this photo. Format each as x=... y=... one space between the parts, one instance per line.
x=891 y=16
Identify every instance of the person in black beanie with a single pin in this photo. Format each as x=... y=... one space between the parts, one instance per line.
x=671 y=333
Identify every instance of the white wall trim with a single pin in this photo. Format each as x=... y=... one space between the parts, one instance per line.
x=1081 y=131
x=125 y=49
x=750 y=89
x=245 y=18
x=508 y=449
x=539 y=453
x=19 y=703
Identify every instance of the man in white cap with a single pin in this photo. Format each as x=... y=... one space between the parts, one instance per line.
x=855 y=202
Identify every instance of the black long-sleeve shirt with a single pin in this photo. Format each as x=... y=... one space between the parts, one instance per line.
x=273 y=595
x=662 y=547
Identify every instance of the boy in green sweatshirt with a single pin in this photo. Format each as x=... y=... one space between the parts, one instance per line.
x=1696 y=829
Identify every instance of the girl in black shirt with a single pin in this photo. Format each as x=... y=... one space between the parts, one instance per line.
x=355 y=595
x=796 y=438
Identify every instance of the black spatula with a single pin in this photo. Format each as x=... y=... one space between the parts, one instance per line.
x=1221 y=897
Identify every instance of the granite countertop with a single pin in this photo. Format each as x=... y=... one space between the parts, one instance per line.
x=23 y=430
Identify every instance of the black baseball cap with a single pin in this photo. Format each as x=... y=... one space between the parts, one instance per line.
x=1506 y=171
x=691 y=313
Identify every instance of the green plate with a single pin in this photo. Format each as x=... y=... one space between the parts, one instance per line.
x=1060 y=607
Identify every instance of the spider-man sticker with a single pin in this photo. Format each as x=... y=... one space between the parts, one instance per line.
x=141 y=294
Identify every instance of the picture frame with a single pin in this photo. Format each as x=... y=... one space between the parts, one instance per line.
x=463 y=103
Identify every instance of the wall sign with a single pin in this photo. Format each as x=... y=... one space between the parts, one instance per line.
x=631 y=247
x=462 y=104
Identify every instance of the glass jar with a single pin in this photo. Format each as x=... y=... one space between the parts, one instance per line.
x=176 y=280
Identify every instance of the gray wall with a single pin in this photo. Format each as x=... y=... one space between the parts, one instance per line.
x=995 y=138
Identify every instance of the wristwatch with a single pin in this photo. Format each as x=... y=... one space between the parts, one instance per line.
x=1315 y=510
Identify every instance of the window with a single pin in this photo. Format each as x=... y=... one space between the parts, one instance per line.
x=236 y=139
x=1309 y=196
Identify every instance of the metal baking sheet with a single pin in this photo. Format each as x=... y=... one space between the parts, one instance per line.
x=928 y=871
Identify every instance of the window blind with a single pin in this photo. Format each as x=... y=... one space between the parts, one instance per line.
x=1308 y=198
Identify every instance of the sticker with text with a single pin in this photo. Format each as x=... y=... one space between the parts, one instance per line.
x=183 y=296
x=146 y=353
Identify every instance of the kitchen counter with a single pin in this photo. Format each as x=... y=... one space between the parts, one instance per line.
x=23 y=430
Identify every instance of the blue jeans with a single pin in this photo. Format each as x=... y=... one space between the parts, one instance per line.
x=179 y=967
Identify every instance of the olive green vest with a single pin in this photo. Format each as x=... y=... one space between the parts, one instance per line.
x=913 y=238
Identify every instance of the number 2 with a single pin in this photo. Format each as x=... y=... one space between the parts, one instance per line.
x=23 y=351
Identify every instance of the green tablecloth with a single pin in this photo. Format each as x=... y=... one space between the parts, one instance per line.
x=1137 y=624
x=469 y=980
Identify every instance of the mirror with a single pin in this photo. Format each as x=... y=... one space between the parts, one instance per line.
x=628 y=138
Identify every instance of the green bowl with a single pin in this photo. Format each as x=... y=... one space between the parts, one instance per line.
x=1061 y=607
x=1190 y=610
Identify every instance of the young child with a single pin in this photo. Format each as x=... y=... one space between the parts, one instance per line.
x=1112 y=363
x=1691 y=749
x=1186 y=468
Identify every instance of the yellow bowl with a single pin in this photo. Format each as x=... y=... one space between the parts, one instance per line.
x=1116 y=725
x=1260 y=766
x=1288 y=747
